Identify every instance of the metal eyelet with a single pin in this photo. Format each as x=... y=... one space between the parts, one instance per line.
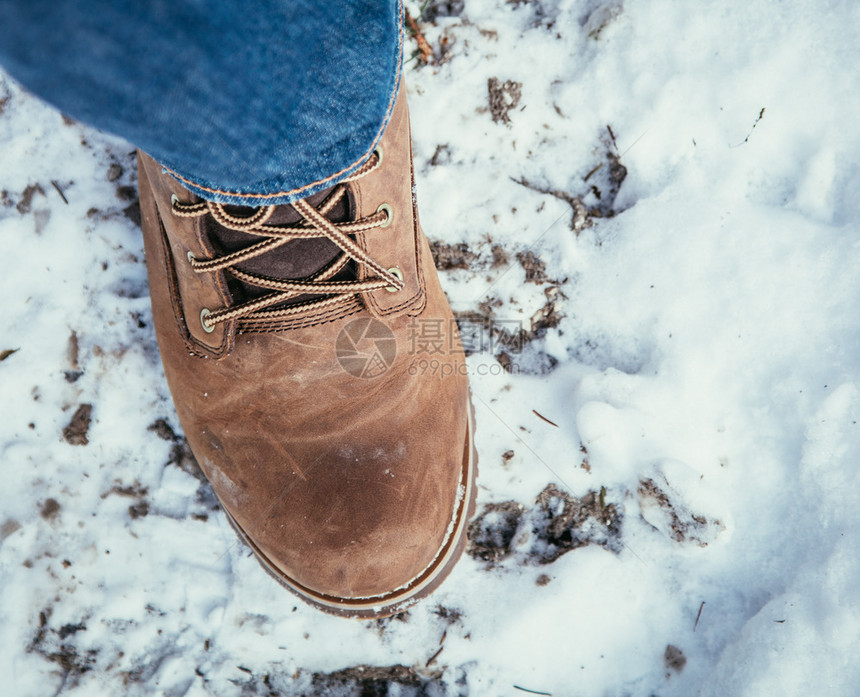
x=191 y=257
x=204 y=313
x=174 y=199
x=389 y=212
x=394 y=271
x=380 y=154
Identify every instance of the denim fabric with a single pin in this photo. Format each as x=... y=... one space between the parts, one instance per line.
x=251 y=102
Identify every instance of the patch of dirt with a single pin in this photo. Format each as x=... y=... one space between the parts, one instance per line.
x=180 y=453
x=548 y=316
x=76 y=432
x=132 y=212
x=126 y=193
x=442 y=8
x=452 y=256
x=461 y=256
x=163 y=430
x=535 y=268
x=25 y=203
x=382 y=623
x=9 y=527
x=663 y=509
x=138 y=510
x=72 y=376
x=70 y=629
x=448 y=615
x=481 y=332
x=503 y=97
x=508 y=340
x=585 y=464
x=500 y=256
x=356 y=681
x=135 y=490
x=606 y=185
x=674 y=658
x=71 y=660
x=441 y=156
x=50 y=509
x=556 y=524
x=567 y=523
x=5 y=353
x=492 y=533
x=182 y=457
x=594 y=195
x=375 y=681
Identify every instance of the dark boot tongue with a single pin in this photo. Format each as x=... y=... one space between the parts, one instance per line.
x=294 y=260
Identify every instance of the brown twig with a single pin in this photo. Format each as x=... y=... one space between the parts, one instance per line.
x=612 y=135
x=433 y=657
x=755 y=123
x=532 y=692
x=541 y=416
x=423 y=46
x=6 y=353
x=60 y=192
x=588 y=176
x=699 y=616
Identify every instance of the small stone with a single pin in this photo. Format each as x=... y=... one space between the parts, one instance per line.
x=138 y=510
x=50 y=509
x=674 y=658
x=76 y=432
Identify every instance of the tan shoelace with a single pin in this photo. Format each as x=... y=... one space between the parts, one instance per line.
x=314 y=224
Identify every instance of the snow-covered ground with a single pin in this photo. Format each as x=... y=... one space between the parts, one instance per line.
x=664 y=197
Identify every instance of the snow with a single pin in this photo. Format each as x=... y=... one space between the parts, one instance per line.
x=703 y=379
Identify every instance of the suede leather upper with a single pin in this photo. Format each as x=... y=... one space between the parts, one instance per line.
x=349 y=487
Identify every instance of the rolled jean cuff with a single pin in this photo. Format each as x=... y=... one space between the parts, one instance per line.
x=248 y=105
x=318 y=169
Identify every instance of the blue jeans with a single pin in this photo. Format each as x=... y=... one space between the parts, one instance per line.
x=244 y=102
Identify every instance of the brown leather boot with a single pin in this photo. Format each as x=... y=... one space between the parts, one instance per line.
x=291 y=339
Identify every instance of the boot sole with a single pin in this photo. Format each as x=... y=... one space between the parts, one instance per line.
x=422 y=585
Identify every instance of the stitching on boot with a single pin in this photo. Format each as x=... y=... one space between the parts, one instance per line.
x=420 y=294
x=310 y=321
x=194 y=347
